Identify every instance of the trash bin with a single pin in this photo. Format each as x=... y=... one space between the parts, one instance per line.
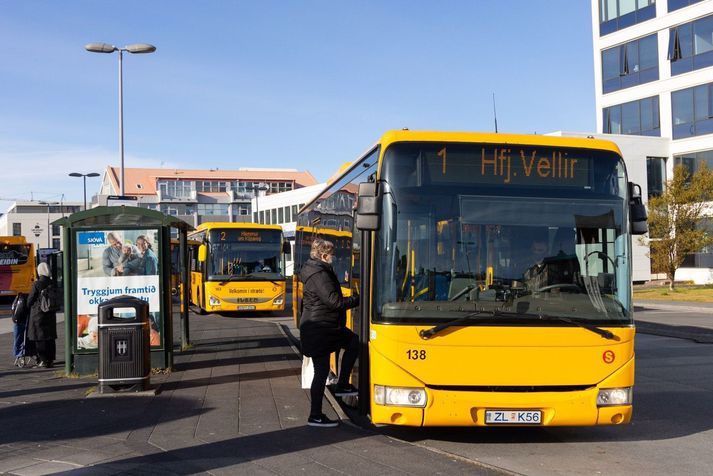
x=124 y=340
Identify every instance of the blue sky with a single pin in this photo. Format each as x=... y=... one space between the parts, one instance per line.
x=306 y=85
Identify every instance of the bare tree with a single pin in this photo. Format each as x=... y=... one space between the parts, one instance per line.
x=674 y=220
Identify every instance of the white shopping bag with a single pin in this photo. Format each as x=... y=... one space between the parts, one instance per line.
x=307 y=372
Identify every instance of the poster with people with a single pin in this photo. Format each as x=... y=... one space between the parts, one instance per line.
x=115 y=263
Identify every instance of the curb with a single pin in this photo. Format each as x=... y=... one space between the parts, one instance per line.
x=700 y=335
x=670 y=307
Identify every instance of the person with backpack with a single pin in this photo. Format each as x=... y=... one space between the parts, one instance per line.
x=42 y=325
x=22 y=348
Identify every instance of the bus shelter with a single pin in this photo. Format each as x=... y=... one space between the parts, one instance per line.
x=115 y=251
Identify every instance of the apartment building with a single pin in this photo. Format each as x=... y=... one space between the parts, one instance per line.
x=197 y=196
x=653 y=68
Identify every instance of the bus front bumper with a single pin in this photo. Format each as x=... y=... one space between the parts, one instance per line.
x=468 y=408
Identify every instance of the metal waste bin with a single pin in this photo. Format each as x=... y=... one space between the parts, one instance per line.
x=124 y=340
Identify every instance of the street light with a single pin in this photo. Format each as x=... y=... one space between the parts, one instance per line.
x=261 y=187
x=138 y=48
x=49 y=229
x=84 y=176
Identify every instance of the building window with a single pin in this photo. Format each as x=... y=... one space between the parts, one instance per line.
x=692 y=111
x=695 y=160
x=255 y=217
x=17 y=229
x=56 y=231
x=212 y=209
x=288 y=216
x=280 y=215
x=244 y=210
x=56 y=243
x=690 y=46
x=262 y=216
x=273 y=217
x=633 y=118
x=176 y=188
x=212 y=186
x=630 y=64
x=615 y=15
x=704 y=258
x=678 y=4
x=656 y=175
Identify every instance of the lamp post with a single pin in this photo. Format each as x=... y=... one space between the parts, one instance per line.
x=261 y=187
x=84 y=177
x=49 y=228
x=138 y=48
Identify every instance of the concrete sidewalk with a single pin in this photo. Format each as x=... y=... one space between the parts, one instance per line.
x=233 y=405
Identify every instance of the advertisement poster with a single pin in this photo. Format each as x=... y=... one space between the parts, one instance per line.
x=115 y=263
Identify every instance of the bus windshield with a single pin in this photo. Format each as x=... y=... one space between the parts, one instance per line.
x=510 y=232
x=244 y=254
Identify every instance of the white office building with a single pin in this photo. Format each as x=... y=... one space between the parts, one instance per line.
x=653 y=68
x=33 y=220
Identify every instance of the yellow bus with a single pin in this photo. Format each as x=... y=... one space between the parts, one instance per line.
x=237 y=267
x=17 y=265
x=342 y=263
x=495 y=278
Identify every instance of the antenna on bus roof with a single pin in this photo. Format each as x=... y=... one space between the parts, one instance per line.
x=495 y=114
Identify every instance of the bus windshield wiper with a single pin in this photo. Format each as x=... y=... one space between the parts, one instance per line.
x=590 y=327
x=426 y=334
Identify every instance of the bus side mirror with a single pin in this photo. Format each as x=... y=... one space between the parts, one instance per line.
x=637 y=211
x=286 y=247
x=202 y=253
x=368 y=207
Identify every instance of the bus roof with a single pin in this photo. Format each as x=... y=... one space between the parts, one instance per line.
x=324 y=231
x=14 y=240
x=497 y=138
x=215 y=224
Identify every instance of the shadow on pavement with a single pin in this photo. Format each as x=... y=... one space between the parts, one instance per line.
x=231 y=452
x=89 y=417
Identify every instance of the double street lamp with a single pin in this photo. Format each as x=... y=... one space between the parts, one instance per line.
x=139 y=48
x=84 y=176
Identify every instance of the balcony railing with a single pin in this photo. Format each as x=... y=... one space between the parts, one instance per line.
x=188 y=197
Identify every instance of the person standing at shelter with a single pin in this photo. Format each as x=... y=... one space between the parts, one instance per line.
x=42 y=326
x=322 y=329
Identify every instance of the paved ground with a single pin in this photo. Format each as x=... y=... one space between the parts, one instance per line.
x=233 y=405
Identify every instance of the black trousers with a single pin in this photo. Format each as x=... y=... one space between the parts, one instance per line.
x=46 y=350
x=321 y=372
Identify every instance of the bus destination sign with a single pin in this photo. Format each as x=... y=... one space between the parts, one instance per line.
x=510 y=166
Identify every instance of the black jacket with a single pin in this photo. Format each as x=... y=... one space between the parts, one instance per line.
x=323 y=309
x=41 y=325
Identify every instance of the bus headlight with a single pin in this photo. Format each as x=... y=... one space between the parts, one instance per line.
x=400 y=396
x=213 y=301
x=278 y=301
x=614 y=396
